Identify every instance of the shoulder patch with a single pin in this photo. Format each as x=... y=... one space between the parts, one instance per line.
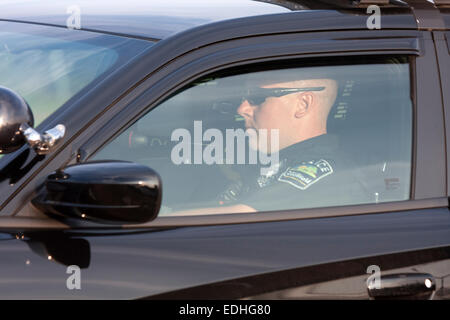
x=306 y=174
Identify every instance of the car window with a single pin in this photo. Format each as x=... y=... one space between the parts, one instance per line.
x=48 y=71
x=279 y=138
x=47 y=66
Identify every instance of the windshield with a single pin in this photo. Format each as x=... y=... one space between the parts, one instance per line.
x=46 y=71
x=47 y=65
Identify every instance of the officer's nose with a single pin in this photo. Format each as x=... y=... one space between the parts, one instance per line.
x=246 y=110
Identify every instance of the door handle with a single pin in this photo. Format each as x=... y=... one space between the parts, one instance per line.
x=402 y=286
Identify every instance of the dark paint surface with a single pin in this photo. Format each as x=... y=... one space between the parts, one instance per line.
x=161 y=19
x=133 y=265
x=445 y=16
x=108 y=191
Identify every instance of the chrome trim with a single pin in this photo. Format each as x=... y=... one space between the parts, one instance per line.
x=43 y=143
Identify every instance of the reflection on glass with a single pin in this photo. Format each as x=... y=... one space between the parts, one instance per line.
x=49 y=71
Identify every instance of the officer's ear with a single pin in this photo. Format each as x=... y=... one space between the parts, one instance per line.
x=304 y=103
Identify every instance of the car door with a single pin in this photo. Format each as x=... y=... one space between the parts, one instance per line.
x=288 y=253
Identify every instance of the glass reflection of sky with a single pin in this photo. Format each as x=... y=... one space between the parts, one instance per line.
x=212 y=9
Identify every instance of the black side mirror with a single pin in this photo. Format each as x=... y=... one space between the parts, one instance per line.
x=14 y=111
x=116 y=192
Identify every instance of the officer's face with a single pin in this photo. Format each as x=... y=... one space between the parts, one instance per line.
x=274 y=113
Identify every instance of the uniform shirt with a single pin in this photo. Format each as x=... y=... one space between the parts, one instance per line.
x=312 y=173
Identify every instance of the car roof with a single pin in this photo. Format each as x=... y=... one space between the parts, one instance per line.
x=150 y=19
x=159 y=19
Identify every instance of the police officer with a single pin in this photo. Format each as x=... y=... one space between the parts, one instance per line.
x=311 y=172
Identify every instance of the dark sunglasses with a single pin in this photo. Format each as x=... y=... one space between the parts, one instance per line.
x=256 y=96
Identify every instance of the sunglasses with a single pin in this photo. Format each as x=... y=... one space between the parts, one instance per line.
x=256 y=96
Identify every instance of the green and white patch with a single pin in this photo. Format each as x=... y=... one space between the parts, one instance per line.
x=306 y=174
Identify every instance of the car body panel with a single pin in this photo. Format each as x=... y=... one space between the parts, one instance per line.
x=154 y=261
x=443 y=51
x=428 y=97
x=445 y=11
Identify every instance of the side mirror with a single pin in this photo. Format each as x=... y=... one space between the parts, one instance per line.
x=115 y=192
x=14 y=111
x=16 y=126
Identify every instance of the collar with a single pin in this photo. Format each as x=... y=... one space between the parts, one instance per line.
x=318 y=146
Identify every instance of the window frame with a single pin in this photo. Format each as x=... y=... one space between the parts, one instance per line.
x=442 y=41
x=419 y=62
x=195 y=64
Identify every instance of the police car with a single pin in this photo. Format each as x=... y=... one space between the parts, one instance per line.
x=103 y=196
